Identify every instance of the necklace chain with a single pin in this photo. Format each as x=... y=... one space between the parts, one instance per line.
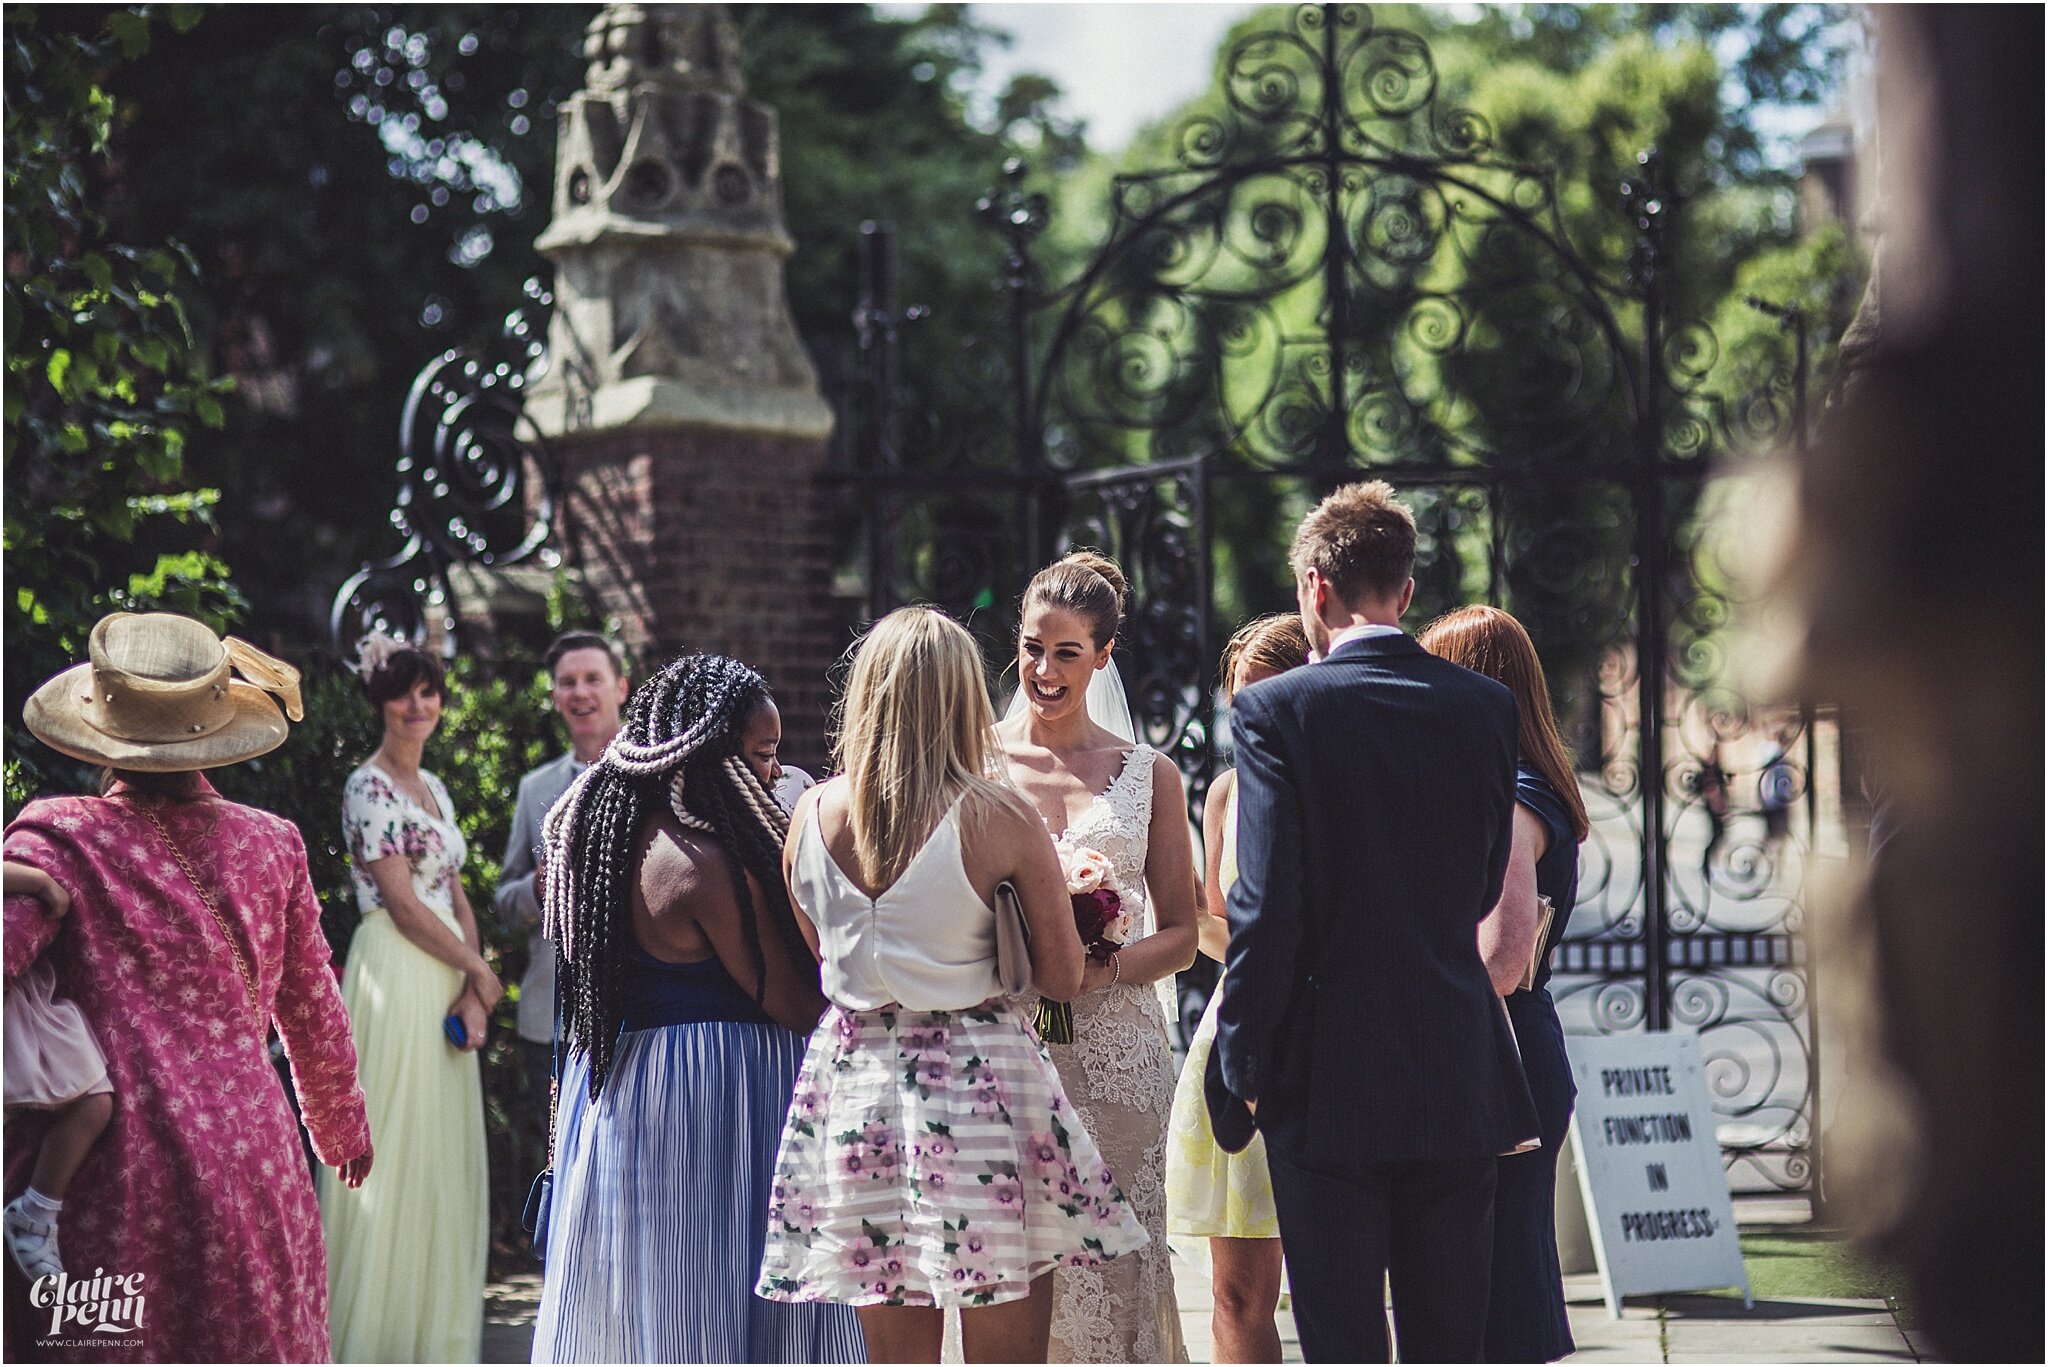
x=234 y=948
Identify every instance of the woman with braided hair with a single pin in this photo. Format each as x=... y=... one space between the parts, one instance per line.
x=687 y=993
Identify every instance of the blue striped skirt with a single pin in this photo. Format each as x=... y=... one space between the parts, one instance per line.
x=660 y=1206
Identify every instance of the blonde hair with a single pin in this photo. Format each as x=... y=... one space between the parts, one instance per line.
x=916 y=731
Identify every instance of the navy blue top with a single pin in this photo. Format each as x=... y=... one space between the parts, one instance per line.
x=655 y=992
x=1557 y=872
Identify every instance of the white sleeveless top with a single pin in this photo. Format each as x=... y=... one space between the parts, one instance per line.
x=928 y=943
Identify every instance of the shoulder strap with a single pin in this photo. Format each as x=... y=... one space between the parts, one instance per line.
x=219 y=919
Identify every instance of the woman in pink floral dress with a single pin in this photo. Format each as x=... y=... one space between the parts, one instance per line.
x=931 y=1159
x=193 y=929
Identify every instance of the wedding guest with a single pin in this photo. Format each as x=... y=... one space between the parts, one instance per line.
x=1359 y=1030
x=1225 y=1197
x=931 y=1159
x=1525 y=1320
x=687 y=994
x=192 y=930
x=587 y=685
x=1095 y=786
x=406 y=1250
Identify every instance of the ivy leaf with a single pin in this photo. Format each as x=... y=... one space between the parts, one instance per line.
x=131 y=31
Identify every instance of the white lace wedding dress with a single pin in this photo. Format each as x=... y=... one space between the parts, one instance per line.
x=1118 y=1073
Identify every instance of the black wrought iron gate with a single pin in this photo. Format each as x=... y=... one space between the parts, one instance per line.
x=1343 y=277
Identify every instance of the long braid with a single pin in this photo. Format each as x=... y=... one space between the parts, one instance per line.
x=678 y=748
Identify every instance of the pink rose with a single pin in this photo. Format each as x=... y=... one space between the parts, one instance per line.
x=1086 y=868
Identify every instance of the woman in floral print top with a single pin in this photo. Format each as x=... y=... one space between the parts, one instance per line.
x=407 y=1250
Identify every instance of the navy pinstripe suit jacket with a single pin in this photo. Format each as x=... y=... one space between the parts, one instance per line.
x=1376 y=796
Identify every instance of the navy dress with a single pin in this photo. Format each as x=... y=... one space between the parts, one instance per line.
x=660 y=1212
x=1526 y=1319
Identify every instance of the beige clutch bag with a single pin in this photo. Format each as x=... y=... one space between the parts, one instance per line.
x=1013 y=942
x=1544 y=914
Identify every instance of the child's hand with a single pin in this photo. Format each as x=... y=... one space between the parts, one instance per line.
x=56 y=902
x=355 y=1169
x=27 y=879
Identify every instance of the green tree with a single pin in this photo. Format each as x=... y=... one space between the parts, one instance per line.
x=105 y=386
x=374 y=178
x=1464 y=339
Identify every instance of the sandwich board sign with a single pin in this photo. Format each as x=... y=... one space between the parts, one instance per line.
x=1649 y=1165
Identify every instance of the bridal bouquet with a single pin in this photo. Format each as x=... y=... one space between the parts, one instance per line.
x=1099 y=918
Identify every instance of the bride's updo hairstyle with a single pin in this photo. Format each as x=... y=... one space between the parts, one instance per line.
x=1087 y=584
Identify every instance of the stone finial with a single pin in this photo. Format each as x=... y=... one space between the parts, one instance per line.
x=689 y=47
x=668 y=240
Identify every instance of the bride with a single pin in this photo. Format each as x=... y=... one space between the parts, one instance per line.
x=1095 y=786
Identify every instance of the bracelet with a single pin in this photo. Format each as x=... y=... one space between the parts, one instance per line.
x=1116 y=967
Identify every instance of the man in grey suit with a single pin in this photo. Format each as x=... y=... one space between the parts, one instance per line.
x=588 y=686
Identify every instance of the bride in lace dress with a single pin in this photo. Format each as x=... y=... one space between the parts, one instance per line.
x=1127 y=802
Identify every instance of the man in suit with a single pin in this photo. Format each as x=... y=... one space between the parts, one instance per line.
x=587 y=678
x=1359 y=1029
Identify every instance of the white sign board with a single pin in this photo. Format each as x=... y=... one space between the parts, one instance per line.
x=1650 y=1167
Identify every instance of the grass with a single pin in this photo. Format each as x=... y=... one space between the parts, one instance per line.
x=1801 y=1263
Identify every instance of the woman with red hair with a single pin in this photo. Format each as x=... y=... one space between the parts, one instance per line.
x=1526 y=1320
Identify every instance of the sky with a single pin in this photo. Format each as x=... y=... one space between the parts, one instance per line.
x=1120 y=66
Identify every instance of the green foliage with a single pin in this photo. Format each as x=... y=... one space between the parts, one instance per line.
x=104 y=384
x=292 y=147
x=877 y=124
x=374 y=179
x=1461 y=355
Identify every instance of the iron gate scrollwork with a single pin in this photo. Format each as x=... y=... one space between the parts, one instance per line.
x=476 y=484
x=1343 y=276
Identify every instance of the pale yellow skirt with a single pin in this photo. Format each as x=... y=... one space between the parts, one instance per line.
x=406 y=1250
x=1209 y=1193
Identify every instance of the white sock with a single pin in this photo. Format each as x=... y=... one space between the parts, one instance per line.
x=37 y=1204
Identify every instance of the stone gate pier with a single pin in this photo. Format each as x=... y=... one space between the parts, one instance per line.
x=682 y=409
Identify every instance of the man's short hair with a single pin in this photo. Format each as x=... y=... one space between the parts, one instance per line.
x=585 y=640
x=1361 y=540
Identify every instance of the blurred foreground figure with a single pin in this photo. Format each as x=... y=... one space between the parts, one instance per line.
x=1918 y=579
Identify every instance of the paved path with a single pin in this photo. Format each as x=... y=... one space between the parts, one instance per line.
x=1674 y=1329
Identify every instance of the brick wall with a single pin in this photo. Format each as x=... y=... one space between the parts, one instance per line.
x=716 y=541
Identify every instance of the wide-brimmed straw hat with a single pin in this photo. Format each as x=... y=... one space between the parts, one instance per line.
x=157 y=696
